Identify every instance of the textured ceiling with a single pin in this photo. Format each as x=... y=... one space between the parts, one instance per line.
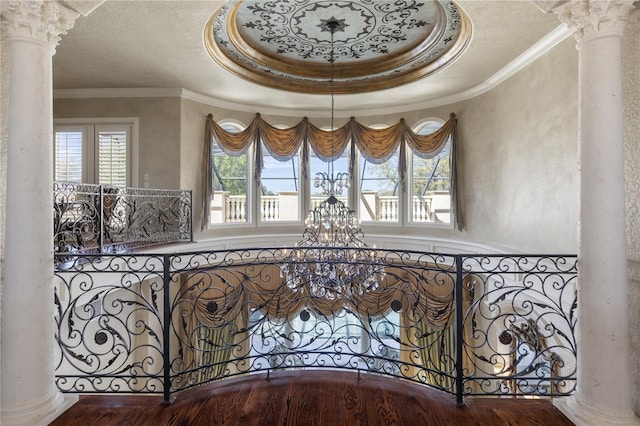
x=160 y=44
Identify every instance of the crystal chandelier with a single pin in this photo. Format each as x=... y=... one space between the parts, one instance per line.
x=331 y=260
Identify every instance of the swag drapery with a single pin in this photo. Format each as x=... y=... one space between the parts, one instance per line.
x=375 y=145
x=212 y=310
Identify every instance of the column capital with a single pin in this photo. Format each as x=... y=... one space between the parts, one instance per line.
x=41 y=21
x=589 y=17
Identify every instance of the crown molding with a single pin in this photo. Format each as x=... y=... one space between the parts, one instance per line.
x=122 y=92
x=219 y=103
x=83 y=7
x=547 y=43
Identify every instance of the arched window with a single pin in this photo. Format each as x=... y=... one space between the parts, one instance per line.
x=380 y=190
x=229 y=201
x=430 y=182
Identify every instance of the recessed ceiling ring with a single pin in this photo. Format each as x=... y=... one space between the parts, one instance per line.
x=382 y=44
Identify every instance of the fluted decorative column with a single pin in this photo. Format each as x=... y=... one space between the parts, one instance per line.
x=29 y=396
x=603 y=395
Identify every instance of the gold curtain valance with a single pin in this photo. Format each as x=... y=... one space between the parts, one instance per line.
x=376 y=145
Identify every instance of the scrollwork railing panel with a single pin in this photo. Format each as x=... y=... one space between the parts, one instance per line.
x=109 y=324
x=102 y=219
x=76 y=218
x=146 y=217
x=519 y=325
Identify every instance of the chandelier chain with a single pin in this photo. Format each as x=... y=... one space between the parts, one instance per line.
x=332 y=28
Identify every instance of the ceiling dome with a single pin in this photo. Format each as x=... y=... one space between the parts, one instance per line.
x=377 y=45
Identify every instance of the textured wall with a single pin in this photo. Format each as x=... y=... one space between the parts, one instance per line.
x=519 y=157
x=631 y=92
x=159 y=131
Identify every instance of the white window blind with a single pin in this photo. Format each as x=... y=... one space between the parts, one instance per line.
x=68 y=156
x=112 y=157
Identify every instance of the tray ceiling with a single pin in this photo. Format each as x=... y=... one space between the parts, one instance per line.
x=162 y=44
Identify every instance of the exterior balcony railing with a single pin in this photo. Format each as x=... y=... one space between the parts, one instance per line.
x=464 y=324
x=432 y=207
x=101 y=219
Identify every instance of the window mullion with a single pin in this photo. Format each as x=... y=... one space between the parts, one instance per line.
x=91 y=160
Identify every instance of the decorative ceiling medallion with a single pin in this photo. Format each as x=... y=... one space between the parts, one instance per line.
x=378 y=44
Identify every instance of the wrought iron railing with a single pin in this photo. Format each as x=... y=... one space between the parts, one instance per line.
x=464 y=324
x=101 y=219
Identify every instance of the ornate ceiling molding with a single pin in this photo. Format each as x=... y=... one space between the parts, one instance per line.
x=381 y=44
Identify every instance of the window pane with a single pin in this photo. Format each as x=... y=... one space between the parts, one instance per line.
x=229 y=198
x=112 y=158
x=68 y=156
x=279 y=191
x=431 y=184
x=379 y=191
x=340 y=165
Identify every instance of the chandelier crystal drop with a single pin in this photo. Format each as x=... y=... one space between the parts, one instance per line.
x=332 y=261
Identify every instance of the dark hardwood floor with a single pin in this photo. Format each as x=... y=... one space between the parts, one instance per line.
x=310 y=398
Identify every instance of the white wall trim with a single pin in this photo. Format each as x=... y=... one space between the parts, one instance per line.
x=391 y=242
x=219 y=103
x=121 y=92
x=547 y=43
